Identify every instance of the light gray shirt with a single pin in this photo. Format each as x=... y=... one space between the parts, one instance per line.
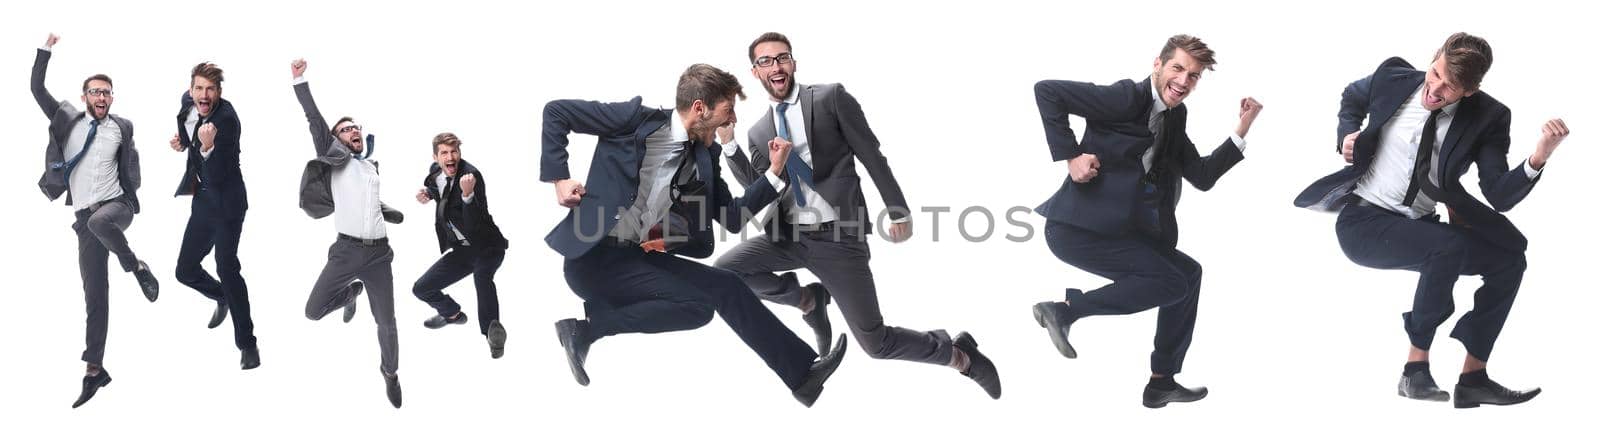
x=663 y=153
x=439 y=182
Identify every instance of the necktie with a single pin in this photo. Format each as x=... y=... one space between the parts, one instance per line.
x=799 y=171
x=1152 y=158
x=194 y=143
x=94 y=128
x=1422 y=168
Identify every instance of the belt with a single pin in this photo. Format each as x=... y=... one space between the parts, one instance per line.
x=826 y=227
x=1364 y=203
x=363 y=241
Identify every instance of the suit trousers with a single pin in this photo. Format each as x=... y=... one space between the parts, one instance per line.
x=626 y=290
x=1144 y=274
x=348 y=262
x=1440 y=254
x=455 y=265
x=841 y=263
x=209 y=230
x=99 y=229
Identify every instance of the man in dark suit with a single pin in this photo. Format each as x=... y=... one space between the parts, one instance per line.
x=471 y=242
x=821 y=223
x=1116 y=214
x=208 y=132
x=653 y=192
x=1423 y=131
x=92 y=160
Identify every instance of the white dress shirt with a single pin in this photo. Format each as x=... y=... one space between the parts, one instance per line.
x=96 y=176
x=440 y=182
x=357 y=210
x=194 y=138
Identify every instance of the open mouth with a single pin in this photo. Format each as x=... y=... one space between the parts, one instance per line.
x=203 y=106
x=1176 y=92
x=779 y=81
x=1431 y=100
x=450 y=168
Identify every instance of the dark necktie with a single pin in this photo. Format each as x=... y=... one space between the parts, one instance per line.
x=444 y=196
x=195 y=146
x=94 y=128
x=1422 y=168
x=799 y=171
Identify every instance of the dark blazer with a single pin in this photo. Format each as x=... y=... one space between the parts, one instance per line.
x=218 y=175
x=316 y=180
x=1118 y=133
x=1479 y=133
x=838 y=136
x=472 y=219
x=63 y=116
x=613 y=181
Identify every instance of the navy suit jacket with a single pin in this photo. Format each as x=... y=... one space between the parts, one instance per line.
x=613 y=181
x=1479 y=133
x=218 y=175
x=1118 y=133
x=472 y=219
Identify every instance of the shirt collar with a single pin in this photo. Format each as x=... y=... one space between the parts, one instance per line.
x=1155 y=94
x=793 y=98
x=680 y=133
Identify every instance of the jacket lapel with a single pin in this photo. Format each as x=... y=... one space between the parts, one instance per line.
x=1465 y=117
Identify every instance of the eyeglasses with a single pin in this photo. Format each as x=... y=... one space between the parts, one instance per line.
x=349 y=128
x=768 y=61
x=98 y=92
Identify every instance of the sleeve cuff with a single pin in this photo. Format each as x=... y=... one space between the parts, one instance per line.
x=730 y=148
x=47 y=49
x=1238 y=142
x=778 y=185
x=468 y=198
x=901 y=220
x=298 y=80
x=206 y=154
x=1527 y=167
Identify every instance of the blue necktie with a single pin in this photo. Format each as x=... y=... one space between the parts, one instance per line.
x=94 y=128
x=799 y=171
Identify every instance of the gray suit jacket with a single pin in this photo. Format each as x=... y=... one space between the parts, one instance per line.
x=316 y=181
x=63 y=116
x=839 y=136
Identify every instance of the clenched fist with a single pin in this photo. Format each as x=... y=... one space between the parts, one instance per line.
x=1083 y=168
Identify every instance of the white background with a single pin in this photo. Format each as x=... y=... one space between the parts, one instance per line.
x=1293 y=339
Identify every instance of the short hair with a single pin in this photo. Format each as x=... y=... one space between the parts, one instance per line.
x=206 y=70
x=767 y=38
x=446 y=138
x=1467 y=57
x=1191 y=45
x=96 y=77
x=702 y=82
x=334 y=130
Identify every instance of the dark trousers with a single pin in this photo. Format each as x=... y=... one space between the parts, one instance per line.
x=454 y=266
x=626 y=290
x=1144 y=274
x=841 y=264
x=99 y=229
x=208 y=230
x=349 y=261
x=1440 y=254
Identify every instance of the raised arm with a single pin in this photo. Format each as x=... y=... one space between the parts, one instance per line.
x=41 y=62
x=321 y=138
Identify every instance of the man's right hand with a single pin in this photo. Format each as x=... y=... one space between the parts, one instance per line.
x=298 y=67
x=1350 y=147
x=177 y=145
x=422 y=196
x=50 y=42
x=1083 y=168
x=569 y=192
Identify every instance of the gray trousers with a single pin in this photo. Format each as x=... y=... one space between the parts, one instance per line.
x=349 y=261
x=99 y=230
x=842 y=266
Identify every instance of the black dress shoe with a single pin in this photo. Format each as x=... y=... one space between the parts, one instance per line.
x=437 y=322
x=1419 y=385
x=147 y=282
x=92 y=384
x=391 y=386
x=811 y=387
x=355 y=293
x=575 y=340
x=1157 y=398
x=1052 y=316
x=249 y=358
x=217 y=315
x=980 y=369
x=497 y=339
x=1491 y=393
x=818 y=317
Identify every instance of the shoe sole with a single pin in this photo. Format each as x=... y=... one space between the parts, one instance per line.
x=1475 y=404
x=1056 y=337
x=497 y=340
x=572 y=364
x=1163 y=403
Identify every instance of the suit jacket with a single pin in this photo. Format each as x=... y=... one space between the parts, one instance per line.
x=838 y=136
x=1479 y=133
x=1118 y=133
x=472 y=219
x=613 y=181
x=316 y=181
x=218 y=175
x=63 y=116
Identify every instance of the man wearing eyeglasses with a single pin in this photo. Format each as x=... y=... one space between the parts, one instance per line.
x=1115 y=216
x=653 y=192
x=208 y=134
x=343 y=181
x=821 y=223
x=92 y=160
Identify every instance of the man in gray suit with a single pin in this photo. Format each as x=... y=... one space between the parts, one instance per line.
x=821 y=223
x=91 y=159
x=343 y=181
